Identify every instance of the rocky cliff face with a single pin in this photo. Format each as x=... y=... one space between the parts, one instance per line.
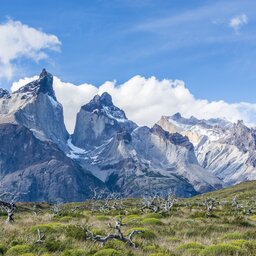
x=42 y=162
x=98 y=121
x=36 y=107
x=38 y=170
x=136 y=160
x=226 y=149
x=33 y=140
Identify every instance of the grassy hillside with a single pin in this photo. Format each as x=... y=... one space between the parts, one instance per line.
x=187 y=229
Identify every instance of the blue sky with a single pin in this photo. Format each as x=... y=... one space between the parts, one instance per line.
x=194 y=41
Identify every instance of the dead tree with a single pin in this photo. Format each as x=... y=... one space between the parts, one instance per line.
x=151 y=203
x=56 y=209
x=210 y=204
x=249 y=211
x=235 y=203
x=168 y=203
x=9 y=208
x=7 y=204
x=159 y=204
x=40 y=236
x=104 y=201
x=118 y=235
x=97 y=196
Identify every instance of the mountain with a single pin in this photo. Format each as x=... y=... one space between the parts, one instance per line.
x=33 y=140
x=98 y=121
x=226 y=149
x=41 y=161
x=35 y=106
x=135 y=160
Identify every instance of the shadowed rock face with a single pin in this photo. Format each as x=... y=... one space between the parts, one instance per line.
x=39 y=170
x=98 y=121
x=174 y=138
x=4 y=93
x=42 y=85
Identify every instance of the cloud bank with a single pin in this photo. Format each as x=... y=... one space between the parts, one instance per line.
x=21 y=41
x=145 y=100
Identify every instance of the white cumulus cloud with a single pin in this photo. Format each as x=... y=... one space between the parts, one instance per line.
x=18 y=40
x=145 y=100
x=238 y=21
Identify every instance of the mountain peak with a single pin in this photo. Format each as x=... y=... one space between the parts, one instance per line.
x=176 y=116
x=106 y=99
x=4 y=94
x=43 y=73
x=43 y=84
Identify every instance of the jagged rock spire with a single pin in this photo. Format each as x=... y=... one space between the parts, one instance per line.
x=44 y=85
x=4 y=93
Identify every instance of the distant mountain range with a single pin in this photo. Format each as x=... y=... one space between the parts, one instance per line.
x=41 y=161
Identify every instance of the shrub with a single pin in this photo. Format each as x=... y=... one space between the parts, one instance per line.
x=132 y=218
x=49 y=228
x=191 y=245
x=196 y=215
x=53 y=245
x=250 y=235
x=115 y=244
x=75 y=252
x=250 y=246
x=2 y=249
x=65 y=219
x=97 y=231
x=154 y=215
x=232 y=236
x=238 y=242
x=240 y=221
x=150 y=248
x=147 y=234
x=192 y=252
x=76 y=232
x=102 y=217
x=222 y=250
x=18 y=250
x=152 y=221
x=108 y=252
x=159 y=254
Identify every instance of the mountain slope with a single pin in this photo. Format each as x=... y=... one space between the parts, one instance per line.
x=39 y=170
x=226 y=149
x=33 y=140
x=135 y=160
x=35 y=106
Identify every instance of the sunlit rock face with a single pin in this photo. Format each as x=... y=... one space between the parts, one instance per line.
x=225 y=149
x=136 y=160
x=33 y=139
x=98 y=121
x=35 y=106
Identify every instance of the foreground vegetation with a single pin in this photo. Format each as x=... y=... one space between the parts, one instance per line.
x=214 y=224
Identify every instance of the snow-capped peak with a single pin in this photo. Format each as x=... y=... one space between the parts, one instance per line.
x=103 y=105
x=44 y=84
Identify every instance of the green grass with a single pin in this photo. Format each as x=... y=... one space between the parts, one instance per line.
x=185 y=231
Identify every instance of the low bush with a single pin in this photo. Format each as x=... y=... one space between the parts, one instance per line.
x=109 y=252
x=192 y=245
x=75 y=252
x=222 y=250
x=152 y=221
x=18 y=250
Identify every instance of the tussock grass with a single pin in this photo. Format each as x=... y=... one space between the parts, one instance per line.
x=185 y=231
